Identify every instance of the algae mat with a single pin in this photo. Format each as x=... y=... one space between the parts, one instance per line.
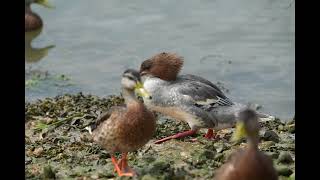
x=57 y=145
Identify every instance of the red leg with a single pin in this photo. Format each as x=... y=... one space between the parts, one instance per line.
x=176 y=136
x=210 y=134
x=124 y=166
x=119 y=164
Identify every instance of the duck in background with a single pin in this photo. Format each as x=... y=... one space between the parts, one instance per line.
x=33 y=28
x=188 y=98
x=125 y=128
x=32 y=20
x=248 y=163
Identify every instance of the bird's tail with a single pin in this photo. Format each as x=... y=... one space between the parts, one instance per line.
x=263 y=116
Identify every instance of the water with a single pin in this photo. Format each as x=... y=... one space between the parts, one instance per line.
x=247 y=45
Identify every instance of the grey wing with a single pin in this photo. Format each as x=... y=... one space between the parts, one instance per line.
x=104 y=116
x=202 y=80
x=203 y=95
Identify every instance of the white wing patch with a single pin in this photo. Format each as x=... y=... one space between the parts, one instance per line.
x=219 y=101
x=207 y=102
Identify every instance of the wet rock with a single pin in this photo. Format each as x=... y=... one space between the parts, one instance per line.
x=284 y=171
x=270 y=135
x=285 y=158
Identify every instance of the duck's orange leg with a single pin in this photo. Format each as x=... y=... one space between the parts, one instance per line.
x=124 y=165
x=211 y=134
x=176 y=136
x=119 y=165
x=124 y=169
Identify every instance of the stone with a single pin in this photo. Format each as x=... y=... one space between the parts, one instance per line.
x=285 y=158
x=270 y=135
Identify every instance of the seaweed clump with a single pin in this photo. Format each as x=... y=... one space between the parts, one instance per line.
x=58 y=146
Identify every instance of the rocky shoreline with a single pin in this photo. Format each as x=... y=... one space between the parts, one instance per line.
x=58 y=146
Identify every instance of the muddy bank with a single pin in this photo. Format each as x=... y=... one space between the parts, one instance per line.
x=58 y=146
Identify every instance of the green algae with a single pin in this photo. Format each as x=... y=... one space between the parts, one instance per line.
x=35 y=78
x=58 y=146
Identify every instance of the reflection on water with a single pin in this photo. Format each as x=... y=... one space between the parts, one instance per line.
x=35 y=54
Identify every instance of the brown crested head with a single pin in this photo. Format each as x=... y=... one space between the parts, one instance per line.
x=164 y=65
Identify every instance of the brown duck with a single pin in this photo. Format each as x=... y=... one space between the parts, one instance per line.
x=249 y=163
x=125 y=128
x=32 y=20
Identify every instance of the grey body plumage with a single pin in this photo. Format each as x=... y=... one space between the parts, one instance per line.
x=206 y=104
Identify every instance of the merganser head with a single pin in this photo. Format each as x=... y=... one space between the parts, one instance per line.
x=165 y=66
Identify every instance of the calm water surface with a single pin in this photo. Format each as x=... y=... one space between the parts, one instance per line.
x=247 y=45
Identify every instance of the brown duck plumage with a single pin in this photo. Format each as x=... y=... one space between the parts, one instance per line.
x=32 y=21
x=125 y=128
x=128 y=128
x=248 y=163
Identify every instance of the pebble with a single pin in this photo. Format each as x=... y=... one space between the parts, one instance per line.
x=285 y=158
x=94 y=176
x=38 y=151
x=284 y=171
x=280 y=127
x=271 y=136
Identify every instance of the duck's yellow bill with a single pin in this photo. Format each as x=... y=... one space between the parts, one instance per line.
x=45 y=3
x=139 y=89
x=240 y=132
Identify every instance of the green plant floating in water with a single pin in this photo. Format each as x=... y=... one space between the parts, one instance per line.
x=62 y=77
x=31 y=83
x=56 y=80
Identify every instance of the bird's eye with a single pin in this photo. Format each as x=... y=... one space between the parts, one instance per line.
x=131 y=78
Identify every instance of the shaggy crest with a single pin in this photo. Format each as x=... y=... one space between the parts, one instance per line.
x=164 y=65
